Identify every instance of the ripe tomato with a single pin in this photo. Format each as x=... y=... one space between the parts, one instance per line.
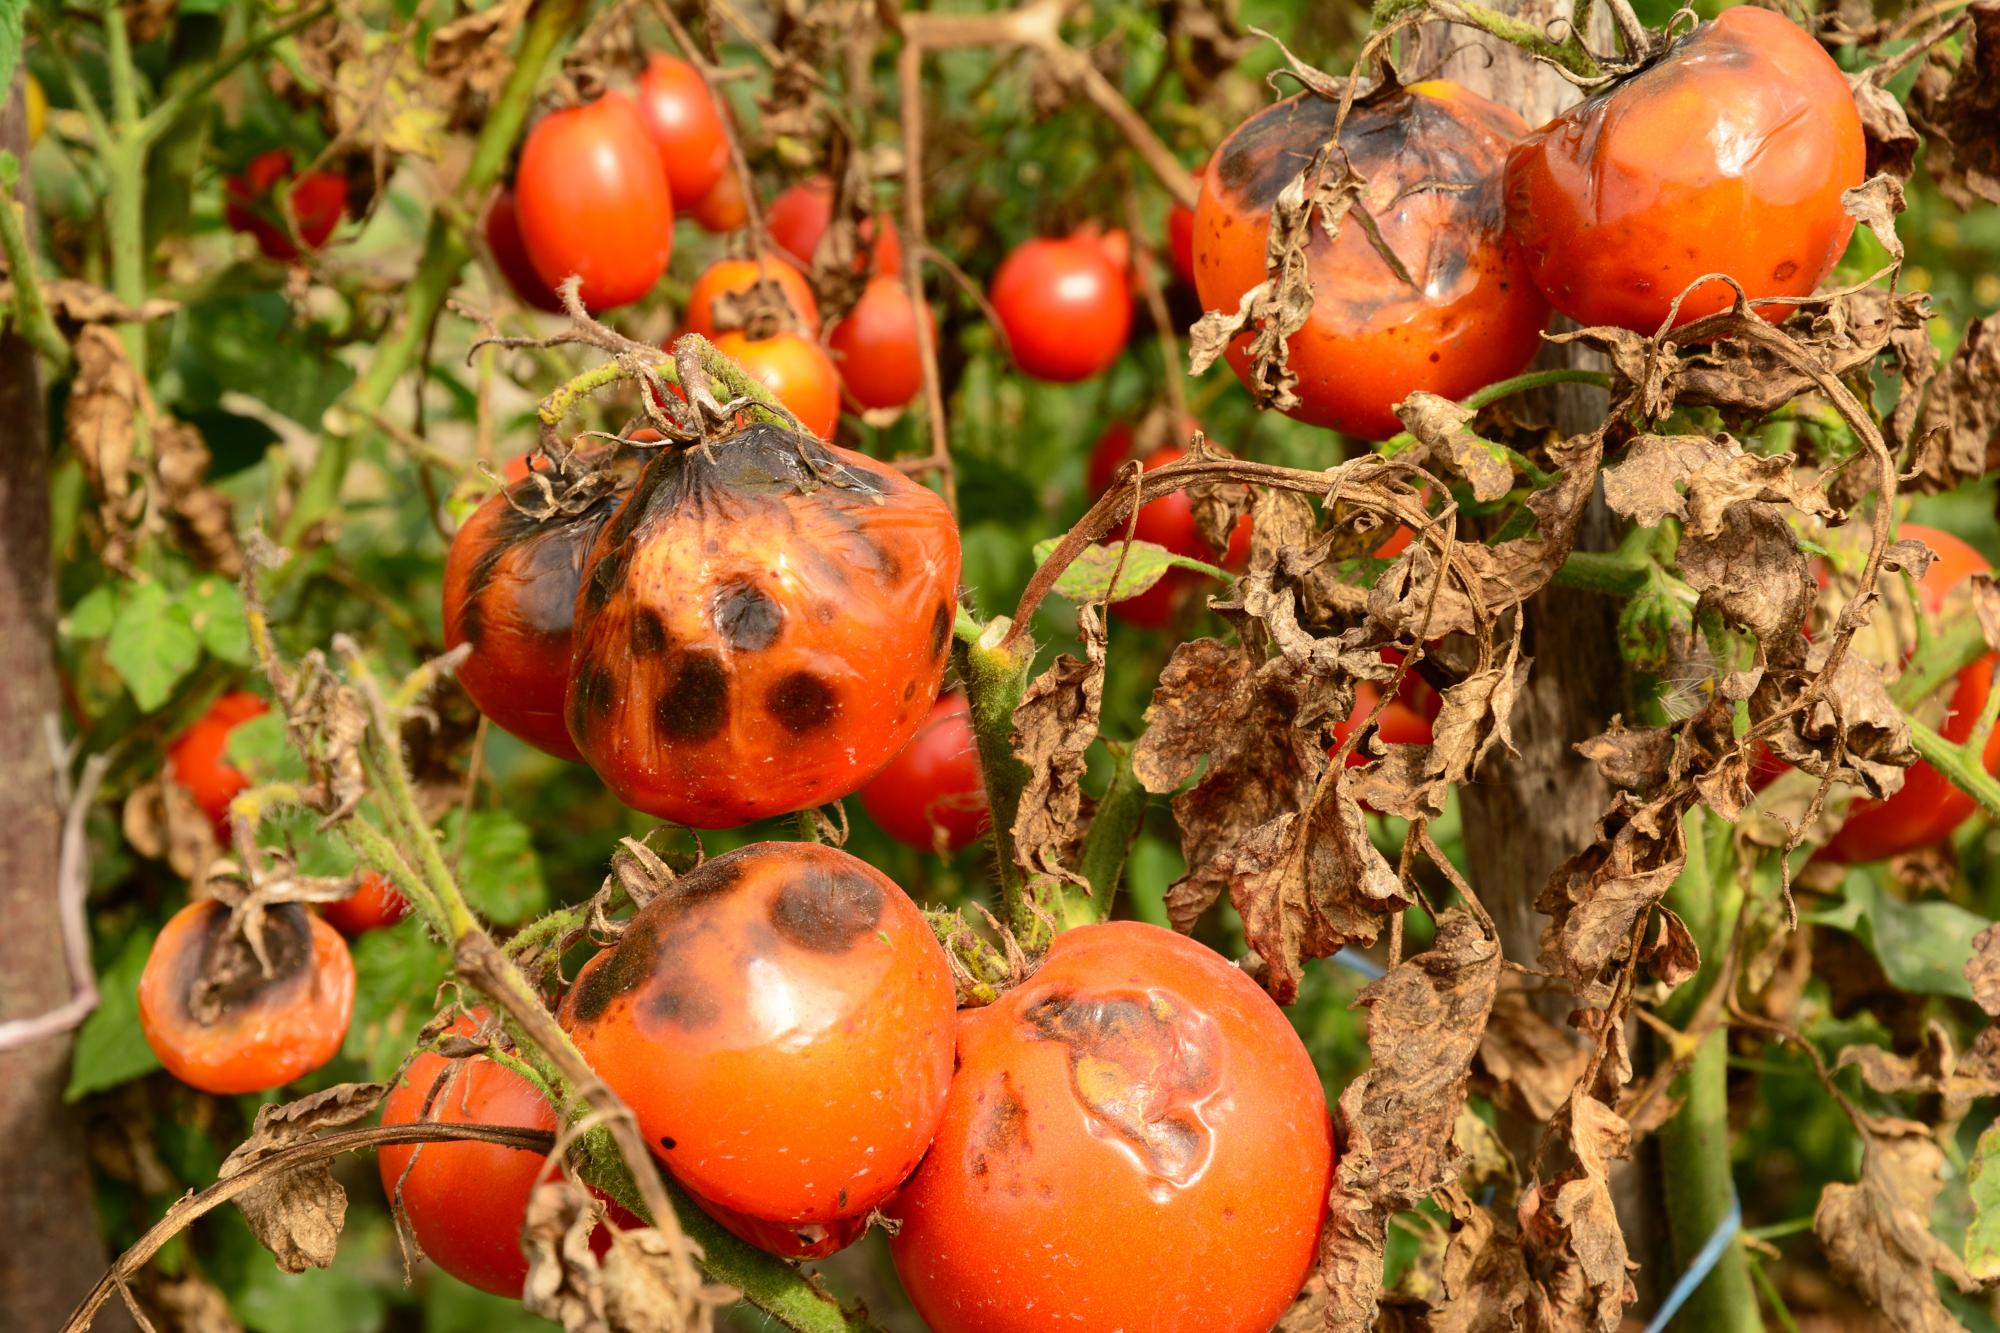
x=1728 y=156
x=244 y=1031
x=876 y=346
x=1066 y=308
x=793 y=367
x=1180 y=235
x=318 y=202
x=1432 y=154
x=195 y=762
x=1136 y=1086
x=510 y=256
x=510 y=584
x=723 y=208
x=1408 y=718
x=801 y=213
x=780 y=1022
x=686 y=126
x=373 y=904
x=762 y=627
x=788 y=1240
x=931 y=795
x=1169 y=522
x=735 y=278
x=593 y=200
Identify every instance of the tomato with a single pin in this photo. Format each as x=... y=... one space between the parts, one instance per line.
x=1180 y=234
x=510 y=584
x=318 y=202
x=1406 y=721
x=793 y=367
x=763 y=626
x=510 y=256
x=593 y=200
x=1169 y=522
x=876 y=346
x=1114 y=243
x=780 y=1022
x=723 y=208
x=788 y=1240
x=373 y=904
x=931 y=796
x=735 y=278
x=801 y=213
x=1137 y=1089
x=195 y=758
x=1432 y=154
x=245 y=1031
x=1065 y=306
x=1727 y=156
x=686 y=126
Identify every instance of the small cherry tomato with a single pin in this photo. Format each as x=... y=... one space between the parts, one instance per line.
x=1137 y=1085
x=801 y=213
x=195 y=762
x=876 y=346
x=1065 y=307
x=1727 y=156
x=723 y=209
x=931 y=796
x=1169 y=522
x=510 y=256
x=780 y=1022
x=686 y=126
x=762 y=626
x=734 y=279
x=593 y=200
x=373 y=904
x=219 y=1023
x=318 y=202
x=1464 y=315
x=793 y=367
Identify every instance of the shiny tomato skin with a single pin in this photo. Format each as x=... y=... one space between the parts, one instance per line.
x=723 y=209
x=875 y=347
x=780 y=1022
x=375 y=903
x=931 y=796
x=763 y=625
x=1136 y=1086
x=1066 y=308
x=195 y=758
x=685 y=125
x=801 y=213
x=264 y=1031
x=793 y=367
x=593 y=200
x=510 y=255
x=318 y=202
x=1371 y=340
x=1180 y=234
x=1728 y=156
x=733 y=277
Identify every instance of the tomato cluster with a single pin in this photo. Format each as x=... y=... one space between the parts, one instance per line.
x=317 y=202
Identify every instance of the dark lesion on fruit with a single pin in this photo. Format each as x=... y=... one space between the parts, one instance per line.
x=802 y=702
x=605 y=576
x=649 y=633
x=695 y=706
x=591 y=696
x=624 y=970
x=826 y=910
x=222 y=973
x=748 y=618
x=1001 y=1130
x=941 y=624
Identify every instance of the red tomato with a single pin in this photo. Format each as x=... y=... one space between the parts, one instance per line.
x=780 y=1022
x=251 y=1032
x=1406 y=721
x=788 y=1240
x=1114 y=243
x=1169 y=522
x=876 y=346
x=1066 y=308
x=796 y=369
x=1180 y=235
x=723 y=208
x=318 y=203
x=593 y=200
x=195 y=762
x=686 y=126
x=1467 y=317
x=735 y=277
x=373 y=904
x=510 y=256
x=931 y=796
x=1728 y=156
x=1136 y=1087
x=801 y=213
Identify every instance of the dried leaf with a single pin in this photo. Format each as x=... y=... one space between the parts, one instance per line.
x=1054 y=725
x=73 y=301
x=1415 y=781
x=1936 y=1069
x=1876 y=1233
x=1445 y=429
x=1960 y=426
x=1853 y=702
x=470 y=58
x=642 y=1285
x=1874 y=204
x=1982 y=970
x=1958 y=110
x=1595 y=898
x=381 y=98
x=1752 y=571
x=1892 y=144
x=297 y=1215
x=1527 y=1063
x=104 y=405
x=1572 y=1232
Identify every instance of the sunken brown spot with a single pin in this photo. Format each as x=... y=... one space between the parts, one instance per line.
x=802 y=702
x=941 y=628
x=220 y=974
x=826 y=909
x=649 y=633
x=1002 y=1129
x=696 y=706
x=747 y=617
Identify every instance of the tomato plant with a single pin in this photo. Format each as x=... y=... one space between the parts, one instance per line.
x=1166 y=522
x=1065 y=306
x=876 y=346
x=686 y=126
x=195 y=758
x=593 y=201
x=931 y=795
x=317 y=200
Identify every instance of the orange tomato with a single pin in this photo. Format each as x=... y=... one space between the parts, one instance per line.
x=793 y=367
x=734 y=277
x=593 y=200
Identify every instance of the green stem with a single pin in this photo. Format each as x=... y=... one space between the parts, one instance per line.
x=31 y=312
x=1941 y=658
x=768 y=1283
x=1494 y=392
x=1960 y=766
x=1605 y=572
x=1108 y=841
x=123 y=154
x=169 y=108
x=996 y=676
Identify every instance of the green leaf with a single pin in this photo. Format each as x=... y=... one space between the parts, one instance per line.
x=93 y=617
x=110 y=1048
x=262 y=752
x=1088 y=577
x=498 y=870
x=215 y=609
x=1982 y=1238
x=152 y=645
x=396 y=971
x=11 y=12
x=1922 y=946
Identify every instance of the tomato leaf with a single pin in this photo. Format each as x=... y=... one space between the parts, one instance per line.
x=262 y=751
x=152 y=645
x=1982 y=1238
x=1922 y=946
x=1088 y=578
x=110 y=1048
x=93 y=617
x=215 y=609
x=498 y=870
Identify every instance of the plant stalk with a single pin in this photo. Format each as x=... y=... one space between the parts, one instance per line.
x=996 y=676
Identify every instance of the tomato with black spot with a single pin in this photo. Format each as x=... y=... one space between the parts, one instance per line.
x=318 y=201
x=1729 y=155
x=932 y=795
x=763 y=625
x=717 y=302
x=780 y=1022
x=220 y=1022
x=801 y=213
x=1459 y=315
x=375 y=903
x=510 y=255
x=1065 y=304
x=1137 y=1089
x=196 y=764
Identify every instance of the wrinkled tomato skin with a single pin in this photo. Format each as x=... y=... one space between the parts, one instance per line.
x=1169 y=522
x=1371 y=339
x=876 y=346
x=373 y=905
x=1137 y=1086
x=318 y=202
x=780 y=1022
x=1065 y=306
x=931 y=796
x=685 y=125
x=593 y=200
x=270 y=1030
x=195 y=758
x=763 y=625
x=723 y=209
x=793 y=367
x=732 y=277
x=510 y=255
x=801 y=213
x=1728 y=156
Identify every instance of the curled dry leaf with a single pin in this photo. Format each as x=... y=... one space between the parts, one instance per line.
x=1892 y=143
x=1958 y=110
x=103 y=413
x=468 y=60
x=1716 y=473
x=74 y=302
x=204 y=518
x=1936 y=1069
x=1595 y=898
x=1852 y=725
x=1526 y=1062
x=1445 y=430
x=1874 y=204
x=297 y=1215
x=1876 y=1233
x=1054 y=725
x=1571 y=1228
x=1982 y=970
x=1414 y=781
x=1752 y=571
x=1959 y=430
x=642 y=1286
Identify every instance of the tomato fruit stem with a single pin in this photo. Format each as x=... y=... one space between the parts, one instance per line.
x=995 y=668
x=1959 y=763
x=1108 y=841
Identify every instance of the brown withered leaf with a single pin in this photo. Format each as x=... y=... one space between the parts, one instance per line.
x=1877 y=750
x=1595 y=898
x=1876 y=1232
x=1983 y=589
x=74 y=302
x=160 y=819
x=1634 y=758
x=1958 y=110
x=1445 y=429
x=104 y=406
x=1752 y=571
x=469 y=59
x=298 y=1215
x=1936 y=1069
x=1645 y=485
x=1982 y=970
x=641 y=1286
x=1486 y=1280
x=1885 y=126
x=1571 y=1228
x=187 y=1303
x=1527 y=1063
x=203 y=518
x=1960 y=425
x=1054 y=725
x=1874 y=204
x=1716 y=473
x=1414 y=781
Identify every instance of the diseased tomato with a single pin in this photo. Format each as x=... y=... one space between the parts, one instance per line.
x=875 y=347
x=1136 y=1086
x=731 y=280
x=686 y=126
x=793 y=367
x=195 y=758
x=510 y=255
x=593 y=200
x=220 y=1024
x=1169 y=522
x=780 y=1022
x=788 y=1240
x=1727 y=156
x=1065 y=307
x=510 y=584
x=723 y=208
x=250 y=204
x=763 y=625
x=1466 y=316
x=931 y=796
x=373 y=904
x=801 y=213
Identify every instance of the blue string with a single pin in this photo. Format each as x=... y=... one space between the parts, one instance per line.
x=1704 y=1263
x=1355 y=961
